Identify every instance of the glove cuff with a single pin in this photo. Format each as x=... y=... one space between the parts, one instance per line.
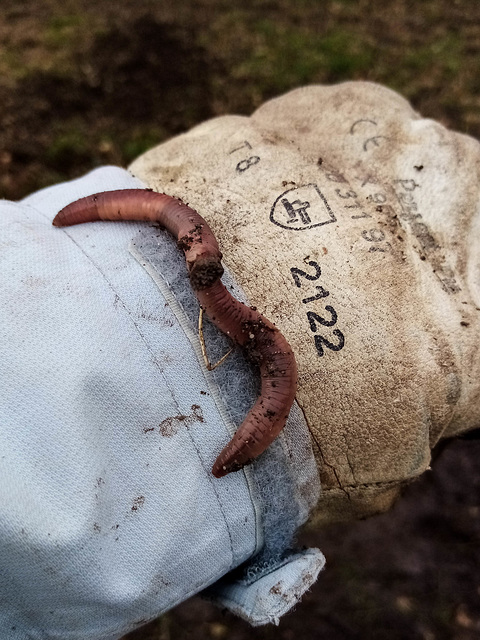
x=283 y=482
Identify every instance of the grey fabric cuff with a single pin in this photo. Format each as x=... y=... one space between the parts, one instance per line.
x=283 y=482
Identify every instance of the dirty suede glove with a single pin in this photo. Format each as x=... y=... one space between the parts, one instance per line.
x=354 y=224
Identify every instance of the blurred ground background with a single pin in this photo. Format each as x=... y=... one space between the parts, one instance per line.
x=89 y=82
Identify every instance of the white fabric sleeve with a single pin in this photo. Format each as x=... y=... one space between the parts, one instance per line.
x=109 y=514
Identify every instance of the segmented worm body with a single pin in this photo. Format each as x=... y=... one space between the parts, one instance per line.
x=263 y=342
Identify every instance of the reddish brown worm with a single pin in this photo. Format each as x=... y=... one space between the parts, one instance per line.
x=262 y=341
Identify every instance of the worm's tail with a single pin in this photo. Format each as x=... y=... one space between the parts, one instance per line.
x=267 y=347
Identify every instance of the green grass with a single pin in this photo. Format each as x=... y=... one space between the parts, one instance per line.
x=284 y=57
x=62 y=30
x=445 y=53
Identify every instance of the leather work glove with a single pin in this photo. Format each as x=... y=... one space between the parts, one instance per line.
x=354 y=225
x=349 y=222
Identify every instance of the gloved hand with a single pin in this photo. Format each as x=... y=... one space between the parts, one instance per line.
x=353 y=224
x=346 y=220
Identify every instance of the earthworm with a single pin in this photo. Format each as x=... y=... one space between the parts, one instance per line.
x=262 y=341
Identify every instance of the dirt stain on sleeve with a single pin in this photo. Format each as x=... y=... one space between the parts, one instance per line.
x=138 y=502
x=170 y=426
